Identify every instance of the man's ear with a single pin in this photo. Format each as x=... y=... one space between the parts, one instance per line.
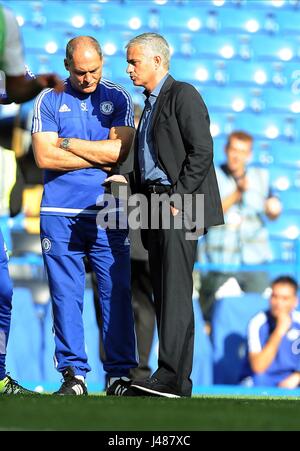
x=157 y=60
x=67 y=65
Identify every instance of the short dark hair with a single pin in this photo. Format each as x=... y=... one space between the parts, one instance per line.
x=286 y=280
x=241 y=135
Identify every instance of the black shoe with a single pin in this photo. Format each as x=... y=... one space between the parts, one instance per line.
x=71 y=385
x=118 y=387
x=11 y=387
x=153 y=387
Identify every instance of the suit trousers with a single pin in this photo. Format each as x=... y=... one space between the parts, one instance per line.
x=171 y=259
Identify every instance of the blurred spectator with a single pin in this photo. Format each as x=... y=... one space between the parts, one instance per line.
x=8 y=170
x=273 y=339
x=243 y=240
x=14 y=86
x=27 y=192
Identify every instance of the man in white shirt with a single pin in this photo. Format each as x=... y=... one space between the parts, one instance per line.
x=243 y=241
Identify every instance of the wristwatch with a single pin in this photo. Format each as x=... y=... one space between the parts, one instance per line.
x=65 y=144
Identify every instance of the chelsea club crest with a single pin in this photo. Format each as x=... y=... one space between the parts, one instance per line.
x=46 y=245
x=106 y=107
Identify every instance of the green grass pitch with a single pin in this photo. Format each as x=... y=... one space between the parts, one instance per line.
x=100 y=413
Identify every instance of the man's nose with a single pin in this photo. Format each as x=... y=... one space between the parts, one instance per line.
x=88 y=77
x=129 y=68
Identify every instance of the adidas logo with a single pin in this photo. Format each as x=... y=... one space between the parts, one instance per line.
x=120 y=390
x=78 y=389
x=64 y=108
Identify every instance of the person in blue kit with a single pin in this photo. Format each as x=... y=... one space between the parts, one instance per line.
x=14 y=87
x=274 y=339
x=78 y=136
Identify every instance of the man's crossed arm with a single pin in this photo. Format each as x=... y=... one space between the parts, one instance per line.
x=82 y=153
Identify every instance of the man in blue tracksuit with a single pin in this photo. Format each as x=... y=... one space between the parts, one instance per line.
x=78 y=135
x=274 y=339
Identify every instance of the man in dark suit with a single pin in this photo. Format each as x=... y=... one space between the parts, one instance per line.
x=173 y=155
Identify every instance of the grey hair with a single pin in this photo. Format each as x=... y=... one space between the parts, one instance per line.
x=156 y=43
x=72 y=44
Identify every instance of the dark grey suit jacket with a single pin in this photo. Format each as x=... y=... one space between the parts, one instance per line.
x=184 y=147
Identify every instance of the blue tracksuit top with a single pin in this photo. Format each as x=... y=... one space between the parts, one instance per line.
x=72 y=114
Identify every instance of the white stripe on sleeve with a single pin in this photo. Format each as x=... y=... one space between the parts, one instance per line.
x=254 y=343
x=37 y=121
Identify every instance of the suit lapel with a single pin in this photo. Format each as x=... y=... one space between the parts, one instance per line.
x=161 y=99
x=137 y=174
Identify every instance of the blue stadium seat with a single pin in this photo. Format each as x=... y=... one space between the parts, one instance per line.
x=286 y=154
x=290 y=201
x=273 y=6
x=262 y=126
x=282 y=179
x=191 y=4
x=291 y=73
x=221 y=47
x=227 y=4
x=282 y=101
x=288 y=22
x=284 y=251
x=202 y=72
x=267 y=48
x=286 y=226
x=182 y=19
x=44 y=63
x=245 y=21
x=221 y=124
x=44 y=40
x=202 y=373
x=27 y=13
x=66 y=14
x=181 y=44
x=246 y=73
x=116 y=69
x=229 y=331
x=226 y=100
x=113 y=44
x=118 y=17
x=191 y=70
x=262 y=151
x=202 y=364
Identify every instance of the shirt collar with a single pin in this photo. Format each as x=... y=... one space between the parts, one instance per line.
x=157 y=89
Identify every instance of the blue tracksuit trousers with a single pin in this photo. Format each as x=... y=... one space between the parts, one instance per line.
x=6 y=292
x=65 y=242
